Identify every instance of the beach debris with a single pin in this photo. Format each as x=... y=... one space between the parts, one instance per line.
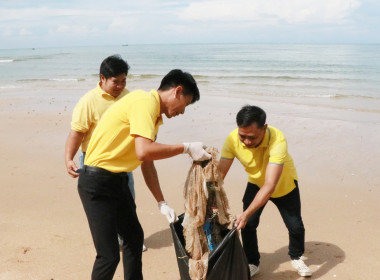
x=26 y=249
x=206 y=213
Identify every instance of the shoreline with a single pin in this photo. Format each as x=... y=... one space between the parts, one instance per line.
x=70 y=95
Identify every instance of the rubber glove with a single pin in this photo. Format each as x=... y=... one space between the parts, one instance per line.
x=196 y=150
x=167 y=211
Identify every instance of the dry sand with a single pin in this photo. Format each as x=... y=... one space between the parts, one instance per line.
x=43 y=228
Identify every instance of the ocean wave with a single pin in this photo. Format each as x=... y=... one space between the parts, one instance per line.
x=144 y=76
x=37 y=57
x=244 y=79
x=51 y=79
x=332 y=96
x=336 y=96
x=203 y=82
x=40 y=57
x=303 y=95
x=280 y=78
x=32 y=80
x=66 y=80
x=355 y=96
x=6 y=60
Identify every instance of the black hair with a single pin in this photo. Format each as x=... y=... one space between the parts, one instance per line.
x=113 y=66
x=250 y=114
x=177 y=78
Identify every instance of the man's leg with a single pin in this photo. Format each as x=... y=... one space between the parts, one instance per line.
x=130 y=230
x=290 y=209
x=100 y=207
x=249 y=233
x=131 y=187
x=131 y=184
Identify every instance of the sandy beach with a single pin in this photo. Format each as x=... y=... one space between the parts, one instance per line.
x=44 y=232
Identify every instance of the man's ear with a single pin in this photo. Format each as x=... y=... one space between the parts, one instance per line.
x=178 y=91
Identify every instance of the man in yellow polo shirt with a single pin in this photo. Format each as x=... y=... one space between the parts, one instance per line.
x=123 y=140
x=262 y=150
x=87 y=112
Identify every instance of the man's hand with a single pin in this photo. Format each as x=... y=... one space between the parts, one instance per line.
x=196 y=150
x=72 y=168
x=74 y=140
x=167 y=211
x=241 y=220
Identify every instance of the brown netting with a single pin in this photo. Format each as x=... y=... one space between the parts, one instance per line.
x=205 y=201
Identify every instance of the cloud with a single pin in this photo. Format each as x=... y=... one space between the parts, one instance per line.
x=73 y=29
x=28 y=14
x=83 y=8
x=24 y=32
x=271 y=11
x=36 y=13
x=77 y=22
x=7 y=32
x=122 y=24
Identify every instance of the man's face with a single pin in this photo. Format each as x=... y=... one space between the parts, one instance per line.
x=177 y=102
x=252 y=136
x=113 y=85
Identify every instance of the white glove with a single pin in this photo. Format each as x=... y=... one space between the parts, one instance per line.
x=196 y=151
x=167 y=211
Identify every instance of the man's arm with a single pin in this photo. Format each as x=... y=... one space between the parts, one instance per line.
x=224 y=166
x=147 y=150
x=74 y=140
x=272 y=175
x=151 y=179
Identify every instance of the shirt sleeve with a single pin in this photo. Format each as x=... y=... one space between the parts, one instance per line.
x=142 y=118
x=81 y=118
x=227 y=149
x=278 y=151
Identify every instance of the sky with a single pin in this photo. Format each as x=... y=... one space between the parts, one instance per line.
x=57 y=23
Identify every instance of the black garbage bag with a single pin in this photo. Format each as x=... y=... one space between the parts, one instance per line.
x=226 y=262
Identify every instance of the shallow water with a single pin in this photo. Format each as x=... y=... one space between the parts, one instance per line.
x=338 y=76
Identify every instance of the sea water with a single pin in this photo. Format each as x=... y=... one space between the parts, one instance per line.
x=345 y=76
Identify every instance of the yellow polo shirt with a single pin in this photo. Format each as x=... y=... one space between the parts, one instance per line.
x=112 y=145
x=89 y=109
x=273 y=149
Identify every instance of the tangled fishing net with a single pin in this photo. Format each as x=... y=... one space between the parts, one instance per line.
x=206 y=213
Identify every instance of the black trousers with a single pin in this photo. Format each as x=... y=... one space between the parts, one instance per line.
x=111 y=210
x=290 y=210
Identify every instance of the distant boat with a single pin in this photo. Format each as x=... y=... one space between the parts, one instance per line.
x=125 y=45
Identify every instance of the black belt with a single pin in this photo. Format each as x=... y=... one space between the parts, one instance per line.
x=94 y=169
